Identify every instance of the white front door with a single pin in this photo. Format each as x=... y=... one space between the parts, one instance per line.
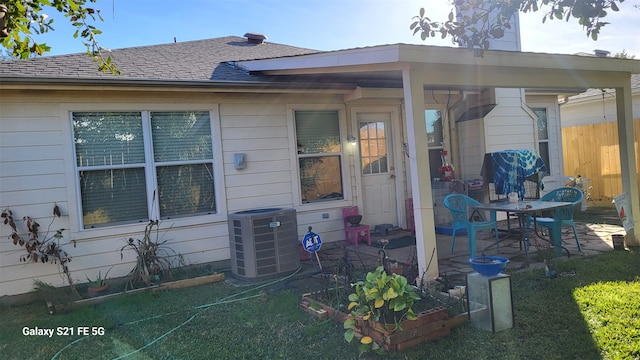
x=378 y=170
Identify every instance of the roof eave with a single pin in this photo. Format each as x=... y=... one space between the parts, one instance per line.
x=458 y=66
x=164 y=84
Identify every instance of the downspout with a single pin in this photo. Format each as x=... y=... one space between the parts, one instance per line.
x=453 y=132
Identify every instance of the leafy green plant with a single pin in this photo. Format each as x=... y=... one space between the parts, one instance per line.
x=153 y=258
x=20 y=20
x=100 y=280
x=45 y=248
x=379 y=298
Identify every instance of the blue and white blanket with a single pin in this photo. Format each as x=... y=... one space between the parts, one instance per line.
x=512 y=167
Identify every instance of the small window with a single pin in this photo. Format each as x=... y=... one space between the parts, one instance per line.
x=435 y=138
x=543 y=136
x=319 y=155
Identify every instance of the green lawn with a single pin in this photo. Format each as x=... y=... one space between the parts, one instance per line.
x=592 y=312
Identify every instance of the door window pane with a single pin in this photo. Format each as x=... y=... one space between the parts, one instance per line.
x=373 y=147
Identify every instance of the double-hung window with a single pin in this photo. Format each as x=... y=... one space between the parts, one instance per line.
x=137 y=165
x=319 y=155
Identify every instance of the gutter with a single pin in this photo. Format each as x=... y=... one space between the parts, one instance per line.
x=164 y=85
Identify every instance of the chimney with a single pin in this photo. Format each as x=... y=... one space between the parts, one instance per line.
x=255 y=38
x=601 y=53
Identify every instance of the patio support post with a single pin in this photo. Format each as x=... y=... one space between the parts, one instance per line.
x=426 y=249
x=628 y=157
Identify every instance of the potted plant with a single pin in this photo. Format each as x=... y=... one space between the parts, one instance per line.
x=379 y=299
x=99 y=285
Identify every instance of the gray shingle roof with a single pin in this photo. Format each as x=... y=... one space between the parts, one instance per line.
x=635 y=85
x=199 y=60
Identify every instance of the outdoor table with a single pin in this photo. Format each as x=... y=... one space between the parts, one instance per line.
x=524 y=209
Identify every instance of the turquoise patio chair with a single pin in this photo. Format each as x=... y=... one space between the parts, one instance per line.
x=562 y=216
x=465 y=217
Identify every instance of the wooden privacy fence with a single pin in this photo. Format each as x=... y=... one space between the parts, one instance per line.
x=592 y=151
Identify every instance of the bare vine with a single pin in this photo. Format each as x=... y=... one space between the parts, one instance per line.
x=45 y=248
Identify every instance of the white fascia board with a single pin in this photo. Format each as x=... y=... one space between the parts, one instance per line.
x=352 y=57
x=434 y=55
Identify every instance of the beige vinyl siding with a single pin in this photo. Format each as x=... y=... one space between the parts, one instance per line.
x=32 y=181
x=37 y=171
x=261 y=133
x=330 y=229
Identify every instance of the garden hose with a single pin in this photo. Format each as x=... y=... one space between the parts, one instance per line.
x=200 y=308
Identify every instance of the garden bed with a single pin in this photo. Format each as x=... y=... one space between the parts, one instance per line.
x=431 y=324
x=178 y=284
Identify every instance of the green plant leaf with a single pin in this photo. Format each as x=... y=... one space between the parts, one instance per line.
x=399 y=306
x=349 y=334
x=349 y=323
x=411 y=315
x=363 y=348
x=390 y=294
x=371 y=277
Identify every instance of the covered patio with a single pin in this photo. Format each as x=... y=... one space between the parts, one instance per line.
x=413 y=70
x=594 y=239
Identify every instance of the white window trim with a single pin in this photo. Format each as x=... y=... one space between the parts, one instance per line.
x=546 y=108
x=71 y=170
x=345 y=161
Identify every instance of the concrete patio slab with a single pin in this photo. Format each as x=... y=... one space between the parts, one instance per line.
x=594 y=239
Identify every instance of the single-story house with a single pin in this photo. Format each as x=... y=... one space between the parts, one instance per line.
x=191 y=132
